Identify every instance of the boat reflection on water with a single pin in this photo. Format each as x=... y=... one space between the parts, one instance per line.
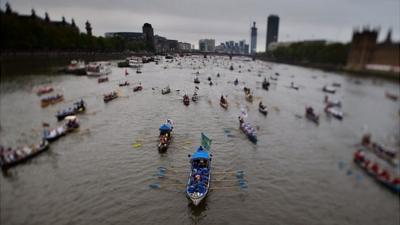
x=197 y=213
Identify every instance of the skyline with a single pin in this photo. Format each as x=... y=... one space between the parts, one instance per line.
x=190 y=21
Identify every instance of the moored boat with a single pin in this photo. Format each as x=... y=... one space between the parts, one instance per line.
x=51 y=100
x=78 y=107
x=11 y=157
x=97 y=70
x=248 y=130
x=196 y=80
x=76 y=67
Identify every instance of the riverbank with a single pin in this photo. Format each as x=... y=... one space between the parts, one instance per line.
x=49 y=61
x=339 y=69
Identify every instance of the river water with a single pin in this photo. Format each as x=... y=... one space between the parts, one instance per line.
x=297 y=173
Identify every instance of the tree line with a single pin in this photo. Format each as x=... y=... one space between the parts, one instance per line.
x=317 y=52
x=32 y=33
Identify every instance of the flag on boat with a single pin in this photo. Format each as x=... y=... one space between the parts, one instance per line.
x=205 y=142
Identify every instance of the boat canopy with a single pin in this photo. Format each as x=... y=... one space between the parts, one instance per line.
x=70 y=118
x=166 y=127
x=200 y=154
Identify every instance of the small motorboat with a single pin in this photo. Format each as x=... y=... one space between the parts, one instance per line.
x=332 y=111
x=248 y=130
x=391 y=96
x=44 y=90
x=273 y=78
x=336 y=84
x=236 y=82
x=263 y=109
x=265 y=84
x=78 y=107
x=76 y=67
x=166 y=90
x=11 y=157
x=102 y=79
x=223 y=102
x=51 y=100
x=328 y=89
x=186 y=100
x=138 y=71
x=110 y=96
x=249 y=97
x=195 y=97
x=200 y=176
x=231 y=68
x=293 y=86
x=310 y=114
x=276 y=74
x=126 y=83
x=376 y=171
x=332 y=103
x=196 y=80
x=165 y=136
x=138 y=88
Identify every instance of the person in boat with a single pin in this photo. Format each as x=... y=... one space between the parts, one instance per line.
x=310 y=110
x=261 y=105
x=222 y=100
x=241 y=120
x=366 y=139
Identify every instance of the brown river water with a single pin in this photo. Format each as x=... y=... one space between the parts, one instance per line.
x=297 y=173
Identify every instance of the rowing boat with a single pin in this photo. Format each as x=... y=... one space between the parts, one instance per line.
x=376 y=171
x=10 y=158
x=78 y=107
x=248 y=130
x=198 y=184
x=165 y=136
x=51 y=100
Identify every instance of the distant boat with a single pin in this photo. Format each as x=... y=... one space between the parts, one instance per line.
x=329 y=89
x=97 y=70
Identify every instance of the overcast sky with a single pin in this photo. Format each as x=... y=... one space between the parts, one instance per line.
x=223 y=20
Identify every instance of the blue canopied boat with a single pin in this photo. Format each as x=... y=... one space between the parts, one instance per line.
x=248 y=130
x=165 y=136
x=198 y=184
x=78 y=107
